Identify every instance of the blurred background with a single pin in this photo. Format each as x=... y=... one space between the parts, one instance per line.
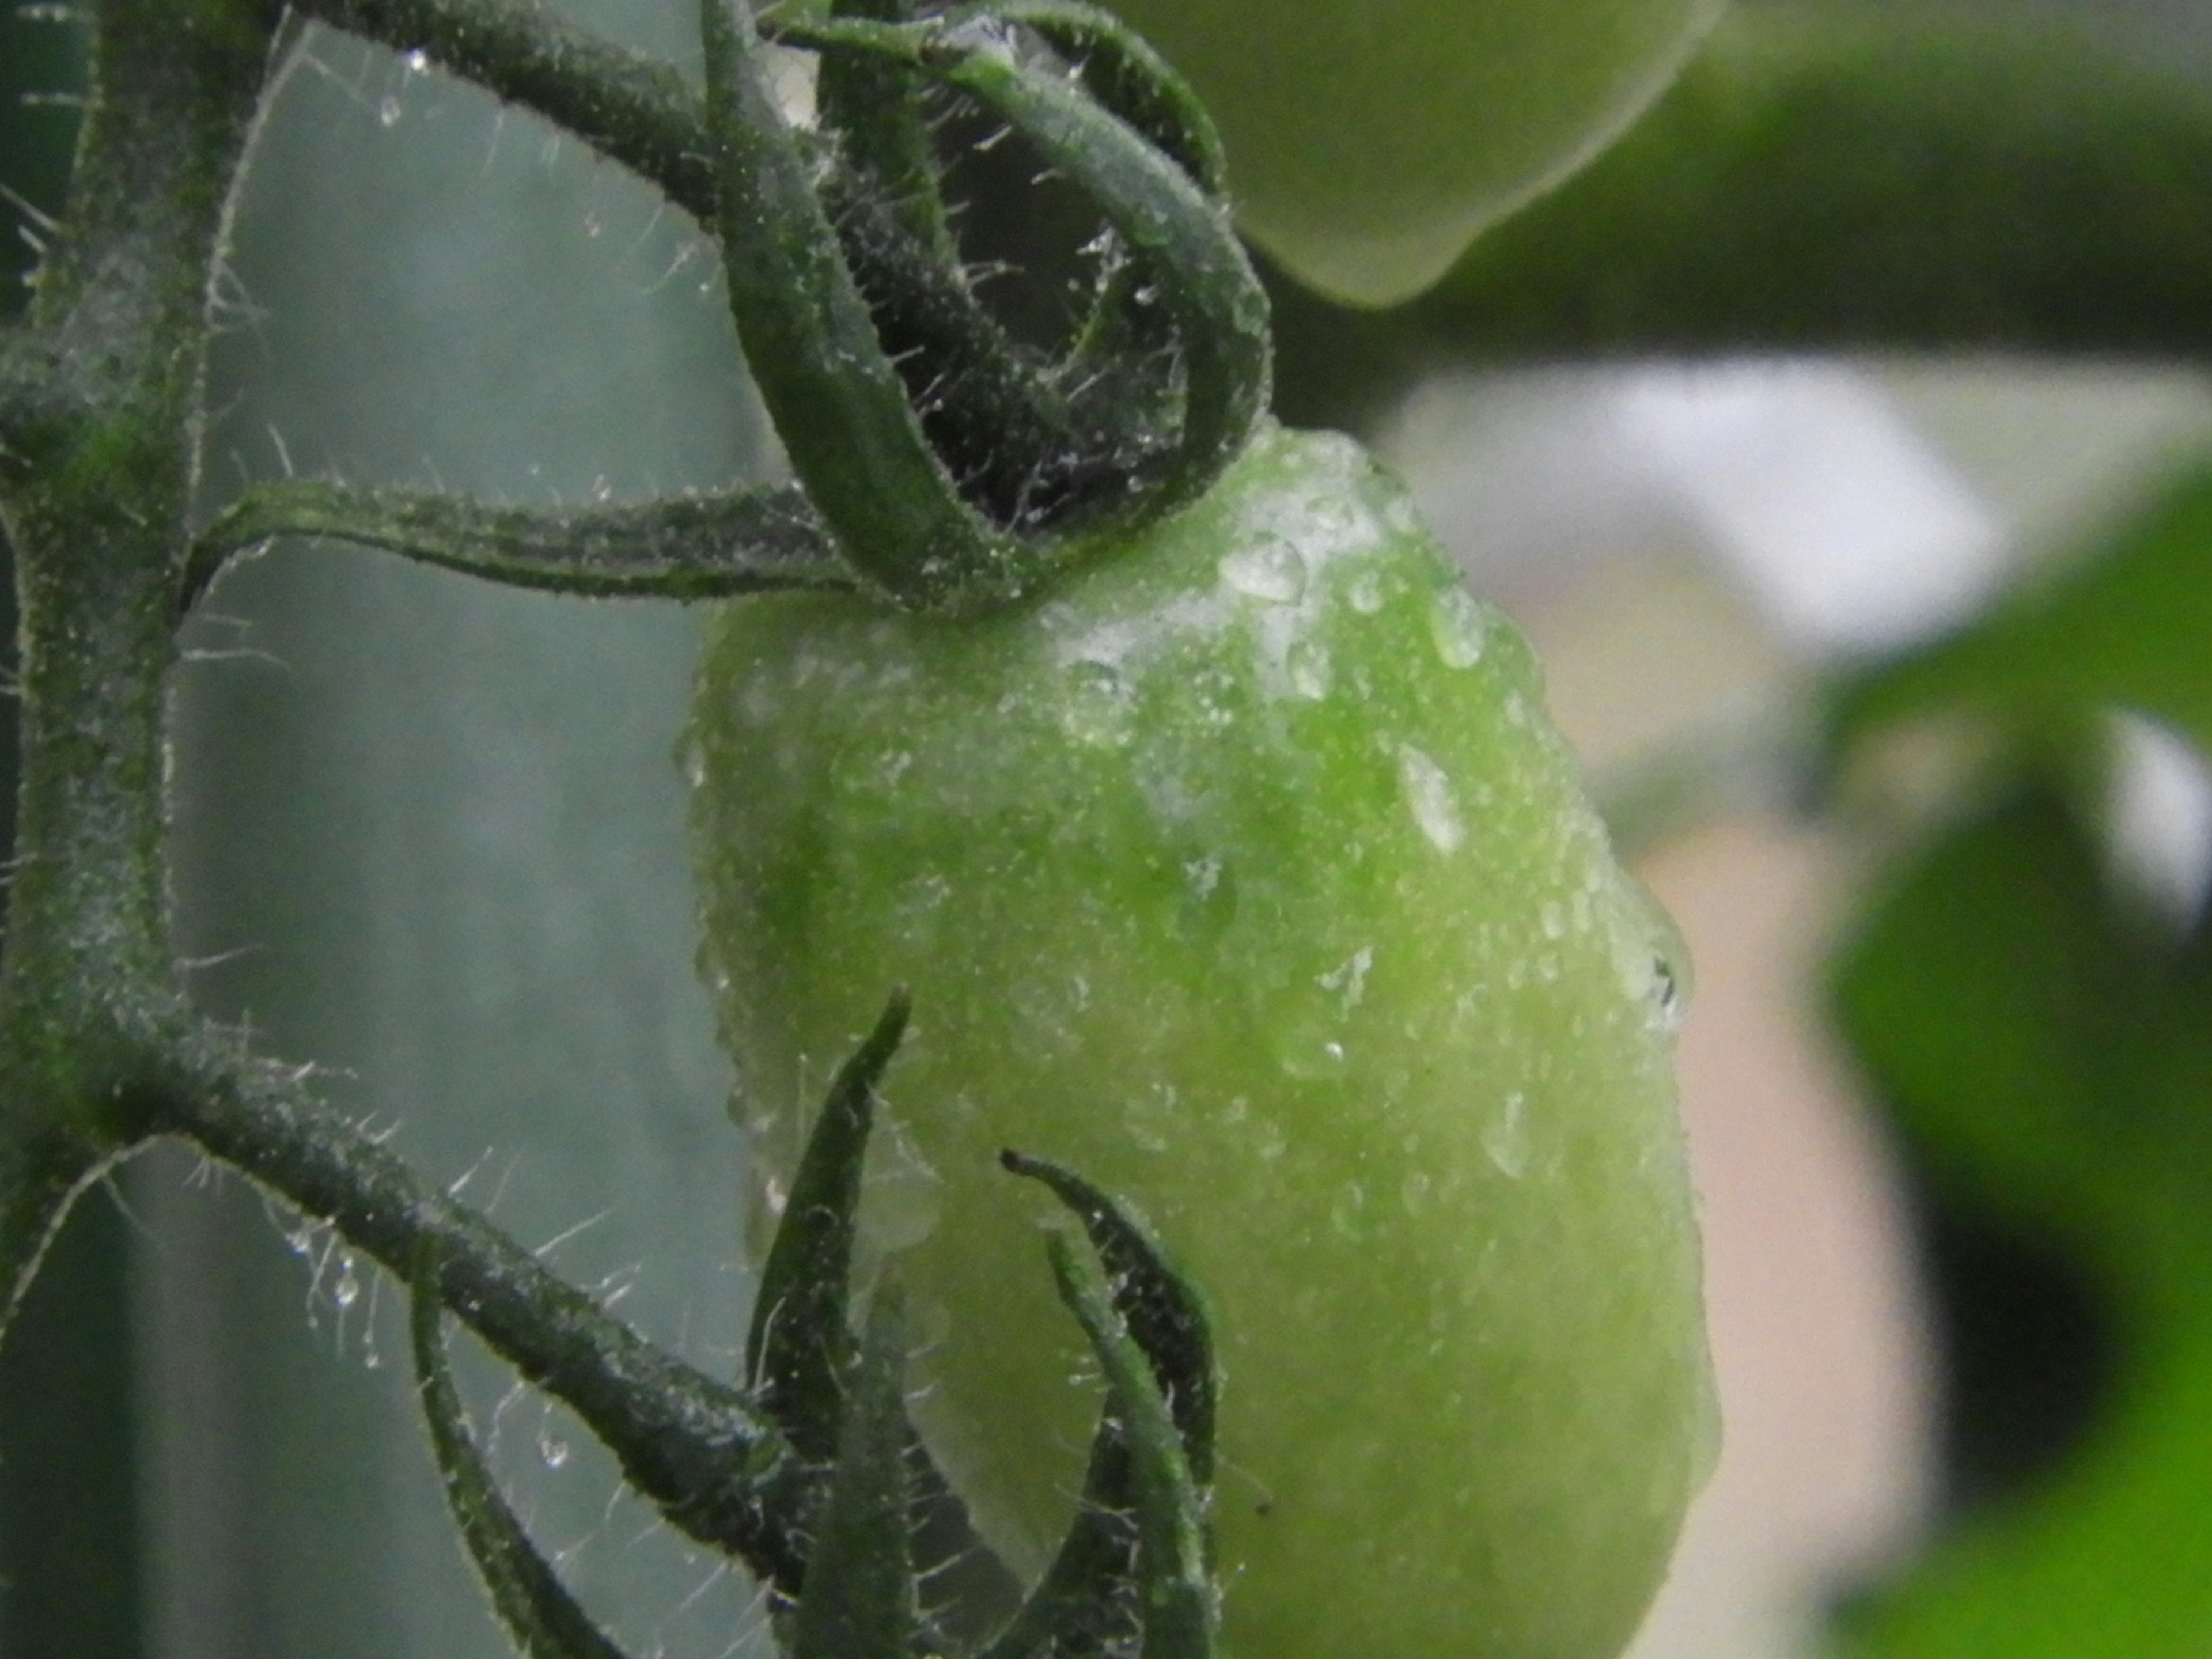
x=1840 y=438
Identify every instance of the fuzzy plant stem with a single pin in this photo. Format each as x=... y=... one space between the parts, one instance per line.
x=693 y=1445
x=96 y=479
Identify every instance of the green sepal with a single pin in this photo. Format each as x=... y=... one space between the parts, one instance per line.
x=1085 y=1607
x=859 y=1598
x=1130 y=79
x=799 y=1346
x=1093 y=1598
x=545 y=1621
x=1177 y=233
x=875 y=108
x=854 y=440
x=1163 y=1310
x=1177 y=1609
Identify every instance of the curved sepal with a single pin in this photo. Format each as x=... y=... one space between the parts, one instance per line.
x=1164 y=1311
x=1138 y=1533
x=1177 y=1609
x=1178 y=233
x=800 y=1344
x=545 y=1621
x=859 y=1600
x=1084 y=1606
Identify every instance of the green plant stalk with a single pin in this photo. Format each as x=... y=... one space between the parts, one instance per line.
x=95 y=486
x=690 y=547
x=693 y=1445
x=100 y=1050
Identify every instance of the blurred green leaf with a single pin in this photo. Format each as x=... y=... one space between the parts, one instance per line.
x=2130 y=626
x=2106 y=1561
x=2046 y=1048
x=2035 y=1034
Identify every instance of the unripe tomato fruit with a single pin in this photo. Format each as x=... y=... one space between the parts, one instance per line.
x=1370 y=140
x=1244 y=874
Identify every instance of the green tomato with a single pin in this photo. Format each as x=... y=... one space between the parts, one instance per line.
x=1245 y=875
x=1370 y=140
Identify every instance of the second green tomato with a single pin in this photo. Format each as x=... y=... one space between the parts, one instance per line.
x=1370 y=140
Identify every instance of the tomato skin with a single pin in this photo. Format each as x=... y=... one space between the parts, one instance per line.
x=1370 y=141
x=1245 y=875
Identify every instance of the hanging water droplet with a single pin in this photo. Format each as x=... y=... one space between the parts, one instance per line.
x=1459 y=624
x=347 y=1291
x=1269 y=570
x=1431 y=798
x=1668 y=1002
x=387 y=112
x=1650 y=956
x=417 y=61
x=1505 y=1137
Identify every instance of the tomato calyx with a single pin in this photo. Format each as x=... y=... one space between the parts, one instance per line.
x=880 y=412
x=1135 y=1564
x=863 y=1546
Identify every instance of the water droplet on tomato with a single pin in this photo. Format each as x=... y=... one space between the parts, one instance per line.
x=1459 y=624
x=1505 y=1137
x=1100 y=706
x=1309 y=666
x=1269 y=570
x=1431 y=798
